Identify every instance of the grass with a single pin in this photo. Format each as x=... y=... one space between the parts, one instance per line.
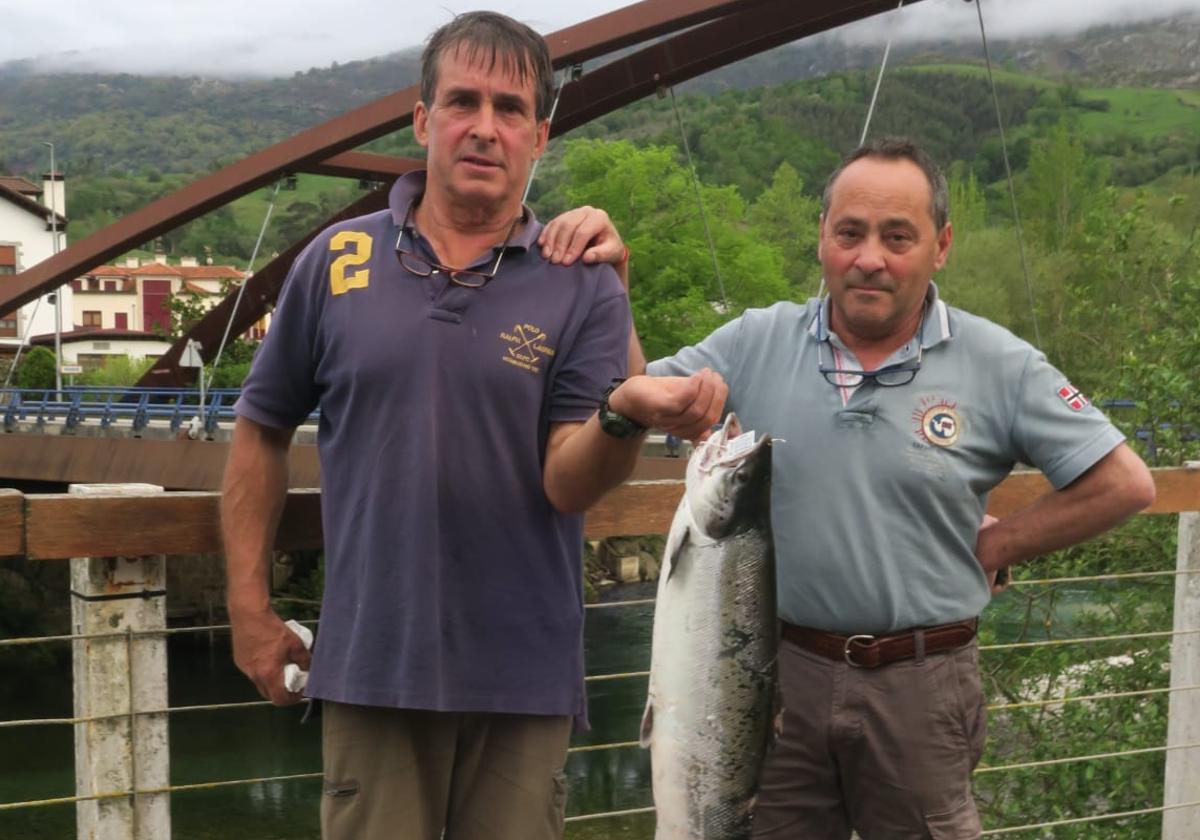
x=1142 y=112
x=1000 y=74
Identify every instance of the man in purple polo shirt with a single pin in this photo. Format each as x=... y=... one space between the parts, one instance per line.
x=458 y=374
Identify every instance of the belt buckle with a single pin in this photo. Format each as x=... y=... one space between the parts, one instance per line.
x=863 y=638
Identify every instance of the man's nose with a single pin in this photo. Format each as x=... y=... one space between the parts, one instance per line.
x=484 y=127
x=870 y=256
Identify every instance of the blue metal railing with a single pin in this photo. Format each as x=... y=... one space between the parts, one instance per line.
x=76 y=405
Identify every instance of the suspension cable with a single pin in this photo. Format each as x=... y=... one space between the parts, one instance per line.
x=712 y=248
x=241 y=290
x=878 y=82
x=1012 y=192
x=21 y=342
x=573 y=72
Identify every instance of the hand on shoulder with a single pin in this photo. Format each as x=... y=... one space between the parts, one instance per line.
x=585 y=233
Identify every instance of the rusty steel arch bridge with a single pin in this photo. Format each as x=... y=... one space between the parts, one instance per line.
x=660 y=43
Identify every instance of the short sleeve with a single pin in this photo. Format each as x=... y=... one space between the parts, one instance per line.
x=281 y=391
x=1056 y=428
x=598 y=355
x=718 y=352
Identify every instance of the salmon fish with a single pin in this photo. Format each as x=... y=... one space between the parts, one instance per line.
x=713 y=702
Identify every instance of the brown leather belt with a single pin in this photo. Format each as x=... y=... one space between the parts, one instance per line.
x=866 y=651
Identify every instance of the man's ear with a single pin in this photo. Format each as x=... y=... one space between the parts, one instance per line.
x=820 y=235
x=543 y=137
x=945 y=237
x=421 y=124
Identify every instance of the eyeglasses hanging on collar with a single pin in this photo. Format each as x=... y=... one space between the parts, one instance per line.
x=470 y=278
x=890 y=376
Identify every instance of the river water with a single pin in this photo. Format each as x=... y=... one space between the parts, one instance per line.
x=36 y=762
x=207 y=746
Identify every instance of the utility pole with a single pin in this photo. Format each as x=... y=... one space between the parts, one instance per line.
x=58 y=292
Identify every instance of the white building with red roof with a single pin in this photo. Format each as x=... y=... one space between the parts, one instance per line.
x=30 y=216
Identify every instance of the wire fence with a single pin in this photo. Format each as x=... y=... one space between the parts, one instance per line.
x=126 y=636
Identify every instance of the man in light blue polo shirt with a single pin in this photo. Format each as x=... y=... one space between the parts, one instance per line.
x=899 y=415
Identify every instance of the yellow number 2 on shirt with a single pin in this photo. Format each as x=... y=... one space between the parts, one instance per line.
x=341 y=280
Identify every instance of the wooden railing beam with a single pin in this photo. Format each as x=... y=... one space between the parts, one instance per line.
x=58 y=526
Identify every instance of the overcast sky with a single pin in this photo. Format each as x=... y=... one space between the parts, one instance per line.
x=274 y=37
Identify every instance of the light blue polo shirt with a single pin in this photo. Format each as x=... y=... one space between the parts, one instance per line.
x=878 y=492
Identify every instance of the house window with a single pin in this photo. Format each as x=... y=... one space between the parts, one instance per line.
x=7 y=269
x=91 y=361
x=91 y=318
x=77 y=285
x=110 y=285
x=8 y=325
x=8 y=259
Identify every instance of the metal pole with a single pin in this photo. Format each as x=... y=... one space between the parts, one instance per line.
x=1182 y=771
x=57 y=293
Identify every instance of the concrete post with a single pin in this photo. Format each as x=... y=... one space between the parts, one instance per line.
x=116 y=676
x=1182 y=783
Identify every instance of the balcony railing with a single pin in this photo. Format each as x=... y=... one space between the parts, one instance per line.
x=121 y=535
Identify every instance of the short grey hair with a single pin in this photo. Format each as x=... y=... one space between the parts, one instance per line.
x=899 y=148
x=500 y=38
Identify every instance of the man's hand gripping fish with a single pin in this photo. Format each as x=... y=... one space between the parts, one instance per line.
x=713 y=703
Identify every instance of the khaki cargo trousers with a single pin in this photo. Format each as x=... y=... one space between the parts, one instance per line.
x=404 y=774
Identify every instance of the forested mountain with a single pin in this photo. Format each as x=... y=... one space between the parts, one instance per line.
x=121 y=122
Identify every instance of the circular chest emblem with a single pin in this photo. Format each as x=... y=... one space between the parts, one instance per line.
x=941 y=425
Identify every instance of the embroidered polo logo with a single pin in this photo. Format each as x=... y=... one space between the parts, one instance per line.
x=938 y=422
x=527 y=347
x=1073 y=397
x=356 y=246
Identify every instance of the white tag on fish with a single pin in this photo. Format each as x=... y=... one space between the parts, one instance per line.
x=740 y=445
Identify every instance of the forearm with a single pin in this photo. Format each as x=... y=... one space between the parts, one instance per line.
x=1117 y=487
x=583 y=463
x=637 y=358
x=252 y=499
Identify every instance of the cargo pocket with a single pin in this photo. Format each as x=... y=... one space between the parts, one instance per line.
x=972 y=703
x=962 y=823
x=557 y=817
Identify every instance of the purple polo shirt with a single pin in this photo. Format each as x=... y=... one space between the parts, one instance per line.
x=450 y=581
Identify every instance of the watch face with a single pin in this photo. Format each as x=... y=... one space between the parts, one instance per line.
x=618 y=426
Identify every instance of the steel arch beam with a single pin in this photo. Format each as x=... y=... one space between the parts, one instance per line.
x=598 y=36
x=754 y=29
x=262 y=288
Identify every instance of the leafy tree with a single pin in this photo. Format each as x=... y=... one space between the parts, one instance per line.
x=185 y=308
x=676 y=294
x=36 y=369
x=784 y=216
x=117 y=370
x=1060 y=187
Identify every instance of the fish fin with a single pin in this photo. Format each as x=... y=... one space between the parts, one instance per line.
x=647 y=724
x=674 y=551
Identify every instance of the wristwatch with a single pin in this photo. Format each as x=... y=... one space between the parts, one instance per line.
x=613 y=424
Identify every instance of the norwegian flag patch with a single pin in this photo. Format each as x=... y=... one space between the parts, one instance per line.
x=1073 y=397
